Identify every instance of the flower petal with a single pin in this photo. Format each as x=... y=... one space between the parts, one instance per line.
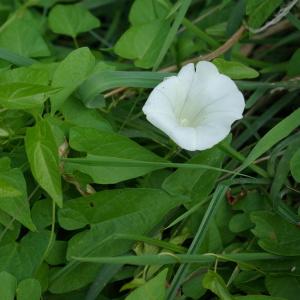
x=209 y=135
x=205 y=70
x=185 y=137
x=162 y=121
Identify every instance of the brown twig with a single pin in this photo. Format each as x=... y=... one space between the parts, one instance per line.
x=219 y=51
x=210 y=56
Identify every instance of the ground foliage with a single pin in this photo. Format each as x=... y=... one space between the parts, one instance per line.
x=95 y=203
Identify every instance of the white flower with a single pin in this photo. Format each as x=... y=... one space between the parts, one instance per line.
x=195 y=108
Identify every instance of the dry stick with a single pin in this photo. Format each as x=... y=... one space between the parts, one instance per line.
x=219 y=51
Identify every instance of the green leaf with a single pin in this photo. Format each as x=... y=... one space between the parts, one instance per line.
x=13 y=199
x=145 y=11
x=29 y=289
x=57 y=254
x=142 y=43
x=106 y=205
x=216 y=284
x=152 y=289
x=108 y=145
x=260 y=10
x=21 y=37
x=293 y=68
x=35 y=74
x=137 y=220
x=192 y=289
x=234 y=69
x=43 y=157
x=295 y=166
x=102 y=240
x=71 y=20
x=8 y=286
x=41 y=212
x=70 y=73
x=239 y=223
x=287 y=287
x=76 y=114
x=200 y=182
x=24 y=258
x=275 y=234
x=276 y=134
x=19 y=95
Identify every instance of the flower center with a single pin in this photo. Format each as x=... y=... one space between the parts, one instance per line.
x=184 y=122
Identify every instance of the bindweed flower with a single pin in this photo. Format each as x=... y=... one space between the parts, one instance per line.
x=196 y=108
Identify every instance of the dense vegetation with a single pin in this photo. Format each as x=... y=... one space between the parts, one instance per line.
x=96 y=203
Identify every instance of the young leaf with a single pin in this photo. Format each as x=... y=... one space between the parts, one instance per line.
x=43 y=157
x=71 y=20
x=145 y=11
x=29 y=289
x=70 y=73
x=234 y=69
x=153 y=289
x=142 y=43
x=8 y=286
x=216 y=284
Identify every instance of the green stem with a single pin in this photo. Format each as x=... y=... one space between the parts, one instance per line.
x=75 y=43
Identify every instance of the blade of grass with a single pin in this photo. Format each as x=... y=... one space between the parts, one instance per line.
x=15 y=59
x=169 y=258
x=264 y=119
x=218 y=196
x=237 y=155
x=200 y=33
x=121 y=162
x=106 y=80
x=151 y=241
x=294 y=20
x=106 y=273
x=172 y=33
x=272 y=137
